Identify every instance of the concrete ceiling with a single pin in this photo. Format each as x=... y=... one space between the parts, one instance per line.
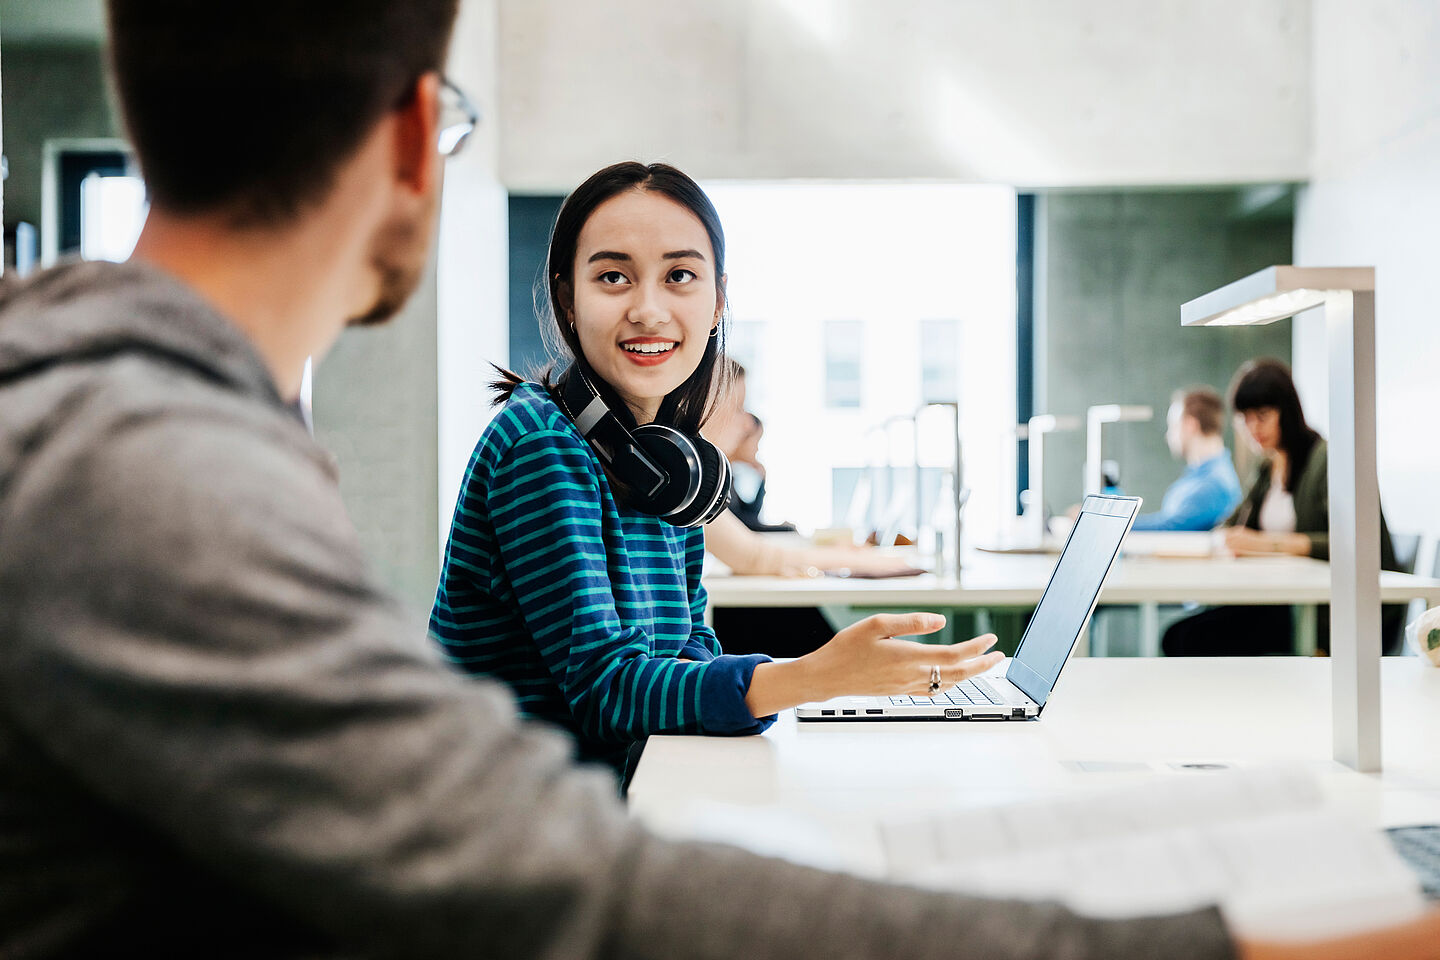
x=30 y=21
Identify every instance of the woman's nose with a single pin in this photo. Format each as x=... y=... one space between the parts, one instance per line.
x=647 y=309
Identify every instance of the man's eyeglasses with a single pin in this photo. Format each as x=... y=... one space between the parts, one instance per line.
x=458 y=118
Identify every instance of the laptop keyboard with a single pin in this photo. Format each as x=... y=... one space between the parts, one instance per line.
x=960 y=695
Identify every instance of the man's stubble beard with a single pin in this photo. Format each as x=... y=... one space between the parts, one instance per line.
x=398 y=254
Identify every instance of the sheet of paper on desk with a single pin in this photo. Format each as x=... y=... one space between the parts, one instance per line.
x=1259 y=843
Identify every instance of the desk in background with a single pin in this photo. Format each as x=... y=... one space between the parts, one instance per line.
x=1007 y=581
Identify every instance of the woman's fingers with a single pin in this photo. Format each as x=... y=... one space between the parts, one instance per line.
x=971 y=648
x=899 y=625
x=946 y=655
x=867 y=659
x=973 y=658
x=957 y=662
x=972 y=667
x=952 y=675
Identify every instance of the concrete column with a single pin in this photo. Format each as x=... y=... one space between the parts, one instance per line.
x=401 y=406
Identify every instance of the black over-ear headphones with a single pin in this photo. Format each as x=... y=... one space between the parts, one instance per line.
x=681 y=479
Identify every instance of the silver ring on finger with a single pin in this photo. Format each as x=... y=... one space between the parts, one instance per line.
x=934 y=680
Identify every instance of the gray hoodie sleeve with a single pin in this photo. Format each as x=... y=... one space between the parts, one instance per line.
x=203 y=646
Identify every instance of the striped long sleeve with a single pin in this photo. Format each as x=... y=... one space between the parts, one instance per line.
x=592 y=612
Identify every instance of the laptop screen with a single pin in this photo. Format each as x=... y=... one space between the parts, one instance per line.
x=1071 y=594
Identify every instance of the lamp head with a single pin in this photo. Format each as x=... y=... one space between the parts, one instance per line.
x=1273 y=294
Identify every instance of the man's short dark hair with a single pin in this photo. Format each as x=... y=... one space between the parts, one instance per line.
x=1205 y=405
x=251 y=109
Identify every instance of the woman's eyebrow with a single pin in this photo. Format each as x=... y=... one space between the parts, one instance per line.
x=672 y=255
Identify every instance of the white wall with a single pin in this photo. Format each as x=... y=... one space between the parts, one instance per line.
x=1029 y=93
x=1375 y=200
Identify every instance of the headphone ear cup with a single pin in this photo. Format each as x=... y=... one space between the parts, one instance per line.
x=714 y=494
x=675 y=454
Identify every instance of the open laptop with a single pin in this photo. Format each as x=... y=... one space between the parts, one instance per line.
x=1018 y=688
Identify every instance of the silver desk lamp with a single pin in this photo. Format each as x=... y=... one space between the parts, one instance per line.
x=1347 y=296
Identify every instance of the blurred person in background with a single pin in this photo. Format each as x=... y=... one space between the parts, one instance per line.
x=748 y=553
x=1208 y=491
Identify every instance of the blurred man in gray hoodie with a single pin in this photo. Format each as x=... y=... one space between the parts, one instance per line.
x=217 y=737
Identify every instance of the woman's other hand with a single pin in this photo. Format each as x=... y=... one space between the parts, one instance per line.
x=854 y=561
x=1243 y=542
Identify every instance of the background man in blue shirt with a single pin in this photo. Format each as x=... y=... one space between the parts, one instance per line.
x=1208 y=490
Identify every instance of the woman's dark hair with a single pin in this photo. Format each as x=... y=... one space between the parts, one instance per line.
x=689 y=405
x=1266 y=382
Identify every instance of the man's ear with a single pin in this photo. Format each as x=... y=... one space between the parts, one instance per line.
x=417 y=121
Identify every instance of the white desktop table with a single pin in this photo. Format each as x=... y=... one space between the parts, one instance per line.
x=1017 y=580
x=1109 y=722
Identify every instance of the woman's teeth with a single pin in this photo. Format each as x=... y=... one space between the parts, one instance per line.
x=647 y=347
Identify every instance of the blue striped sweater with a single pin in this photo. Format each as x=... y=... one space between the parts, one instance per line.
x=589 y=610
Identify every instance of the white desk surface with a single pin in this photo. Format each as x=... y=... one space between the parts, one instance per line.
x=1017 y=580
x=1144 y=715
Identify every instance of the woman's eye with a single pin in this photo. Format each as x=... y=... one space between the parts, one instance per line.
x=681 y=275
x=611 y=276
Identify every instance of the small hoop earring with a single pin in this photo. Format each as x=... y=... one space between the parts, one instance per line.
x=714 y=331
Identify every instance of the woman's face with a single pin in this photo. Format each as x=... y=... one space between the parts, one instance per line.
x=1263 y=426
x=645 y=296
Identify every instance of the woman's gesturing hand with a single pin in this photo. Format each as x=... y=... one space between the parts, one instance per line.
x=868 y=659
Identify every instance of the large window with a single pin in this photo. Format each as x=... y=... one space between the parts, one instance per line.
x=854 y=306
x=92 y=200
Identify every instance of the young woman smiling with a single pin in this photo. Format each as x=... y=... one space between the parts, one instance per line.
x=559 y=577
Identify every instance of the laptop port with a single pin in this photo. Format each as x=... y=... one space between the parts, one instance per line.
x=827 y=713
x=987 y=716
x=954 y=713
x=1018 y=712
x=847 y=713
x=872 y=710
